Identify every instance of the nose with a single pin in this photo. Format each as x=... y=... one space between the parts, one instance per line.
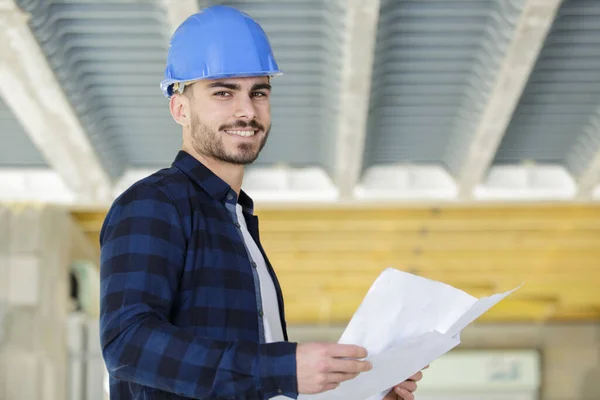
x=244 y=108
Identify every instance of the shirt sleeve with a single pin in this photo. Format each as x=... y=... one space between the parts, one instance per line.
x=143 y=249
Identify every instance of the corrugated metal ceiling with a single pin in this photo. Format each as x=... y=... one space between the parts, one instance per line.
x=554 y=121
x=435 y=62
x=434 y=67
x=109 y=57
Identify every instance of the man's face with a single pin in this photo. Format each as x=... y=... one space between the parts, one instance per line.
x=230 y=118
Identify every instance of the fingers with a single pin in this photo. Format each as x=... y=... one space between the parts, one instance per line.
x=338 y=370
x=416 y=377
x=349 y=366
x=409 y=386
x=405 y=390
x=403 y=393
x=323 y=366
x=346 y=351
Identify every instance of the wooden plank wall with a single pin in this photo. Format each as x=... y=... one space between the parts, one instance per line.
x=327 y=258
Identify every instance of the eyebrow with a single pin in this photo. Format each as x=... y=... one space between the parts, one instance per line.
x=259 y=86
x=234 y=86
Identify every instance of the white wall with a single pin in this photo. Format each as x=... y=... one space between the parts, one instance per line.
x=34 y=258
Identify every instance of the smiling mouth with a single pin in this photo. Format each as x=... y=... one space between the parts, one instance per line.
x=242 y=133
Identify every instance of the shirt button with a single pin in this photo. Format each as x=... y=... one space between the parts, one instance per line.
x=229 y=196
x=237 y=224
x=253 y=264
x=279 y=391
x=260 y=312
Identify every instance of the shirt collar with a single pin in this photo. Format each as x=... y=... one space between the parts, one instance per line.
x=216 y=187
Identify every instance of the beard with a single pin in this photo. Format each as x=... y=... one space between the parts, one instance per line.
x=209 y=142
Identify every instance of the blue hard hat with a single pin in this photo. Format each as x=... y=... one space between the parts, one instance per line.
x=218 y=42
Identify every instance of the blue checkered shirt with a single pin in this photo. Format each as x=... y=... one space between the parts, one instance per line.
x=180 y=299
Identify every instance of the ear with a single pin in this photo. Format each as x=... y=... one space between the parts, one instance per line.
x=180 y=109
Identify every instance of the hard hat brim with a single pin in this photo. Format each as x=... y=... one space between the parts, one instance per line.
x=166 y=84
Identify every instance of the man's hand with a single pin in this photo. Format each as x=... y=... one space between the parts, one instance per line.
x=405 y=390
x=320 y=366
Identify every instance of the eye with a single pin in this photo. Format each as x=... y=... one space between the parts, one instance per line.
x=259 y=94
x=222 y=94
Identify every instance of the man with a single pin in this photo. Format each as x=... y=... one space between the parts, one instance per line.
x=190 y=305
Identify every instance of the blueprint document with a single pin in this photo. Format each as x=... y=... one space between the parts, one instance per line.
x=405 y=322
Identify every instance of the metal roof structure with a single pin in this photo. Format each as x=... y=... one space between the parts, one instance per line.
x=454 y=100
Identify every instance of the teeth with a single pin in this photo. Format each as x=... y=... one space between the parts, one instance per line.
x=241 y=133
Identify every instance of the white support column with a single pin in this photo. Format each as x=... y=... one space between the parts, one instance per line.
x=178 y=11
x=30 y=88
x=34 y=292
x=528 y=38
x=589 y=180
x=361 y=31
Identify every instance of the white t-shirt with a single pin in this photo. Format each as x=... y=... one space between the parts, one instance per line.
x=271 y=320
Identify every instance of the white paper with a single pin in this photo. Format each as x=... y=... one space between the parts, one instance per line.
x=405 y=322
x=391 y=367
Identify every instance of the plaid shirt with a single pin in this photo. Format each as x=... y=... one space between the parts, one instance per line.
x=180 y=297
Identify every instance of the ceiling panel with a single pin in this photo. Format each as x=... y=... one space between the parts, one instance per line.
x=558 y=117
x=16 y=148
x=435 y=64
x=109 y=57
